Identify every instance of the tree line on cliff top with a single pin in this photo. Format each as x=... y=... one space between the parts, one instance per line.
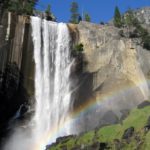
x=26 y=7
x=128 y=20
x=19 y=6
x=135 y=28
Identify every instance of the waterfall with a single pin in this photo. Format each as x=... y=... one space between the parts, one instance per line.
x=52 y=70
x=52 y=89
x=8 y=28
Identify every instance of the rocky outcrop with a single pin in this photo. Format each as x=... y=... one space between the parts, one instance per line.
x=16 y=65
x=115 y=74
x=16 y=46
x=110 y=76
x=143 y=15
x=131 y=134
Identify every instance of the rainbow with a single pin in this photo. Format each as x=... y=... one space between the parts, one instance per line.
x=92 y=103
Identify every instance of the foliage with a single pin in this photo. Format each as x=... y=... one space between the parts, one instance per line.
x=49 y=14
x=79 y=48
x=146 y=42
x=129 y=19
x=48 y=10
x=21 y=7
x=74 y=12
x=87 y=17
x=145 y=36
x=14 y=6
x=137 y=118
x=28 y=7
x=117 y=18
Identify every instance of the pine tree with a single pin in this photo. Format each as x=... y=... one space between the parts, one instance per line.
x=74 y=12
x=29 y=7
x=48 y=10
x=117 y=18
x=87 y=17
x=49 y=14
x=21 y=6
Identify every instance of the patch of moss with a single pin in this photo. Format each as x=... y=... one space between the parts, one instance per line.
x=86 y=138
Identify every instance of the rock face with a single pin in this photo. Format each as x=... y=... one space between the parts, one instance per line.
x=16 y=65
x=143 y=15
x=16 y=46
x=112 y=73
x=116 y=73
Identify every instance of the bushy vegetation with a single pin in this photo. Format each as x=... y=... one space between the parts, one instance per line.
x=87 y=17
x=20 y=6
x=49 y=14
x=129 y=20
x=117 y=18
x=78 y=49
x=74 y=13
x=145 y=36
x=112 y=135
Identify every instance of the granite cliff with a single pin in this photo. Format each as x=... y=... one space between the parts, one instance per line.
x=113 y=71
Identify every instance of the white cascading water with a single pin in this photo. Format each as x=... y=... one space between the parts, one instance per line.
x=52 y=89
x=52 y=70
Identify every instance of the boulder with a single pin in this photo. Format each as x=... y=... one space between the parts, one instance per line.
x=128 y=133
x=147 y=127
x=143 y=104
x=103 y=146
x=109 y=118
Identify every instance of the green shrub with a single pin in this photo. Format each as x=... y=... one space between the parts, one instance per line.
x=117 y=18
x=146 y=42
x=129 y=19
x=87 y=17
x=21 y=7
x=74 y=13
x=78 y=49
x=15 y=6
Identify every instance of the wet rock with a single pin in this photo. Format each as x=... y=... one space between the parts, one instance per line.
x=148 y=121
x=143 y=104
x=103 y=146
x=63 y=147
x=124 y=114
x=147 y=127
x=128 y=133
x=109 y=118
x=11 y=80
x=64 y=139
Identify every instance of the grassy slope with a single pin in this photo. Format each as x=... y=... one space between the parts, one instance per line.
x=137 y=119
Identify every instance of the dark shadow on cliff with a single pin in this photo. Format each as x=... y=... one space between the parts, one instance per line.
x=12 y=96
x=83 y=82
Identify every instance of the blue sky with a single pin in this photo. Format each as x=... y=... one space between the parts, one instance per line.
x=99 y=10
